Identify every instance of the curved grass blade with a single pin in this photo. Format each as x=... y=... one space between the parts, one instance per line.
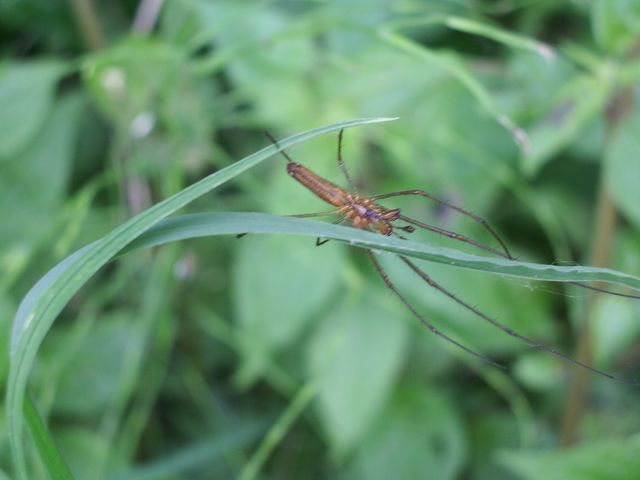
x=456 y=68
x=48 y=297
x=44 y=443
x=232 y=223
x=474 y=27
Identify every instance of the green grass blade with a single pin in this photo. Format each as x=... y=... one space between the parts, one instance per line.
x=482 y=29
x=500 y=35
x=48 y=297
x=200 y=456
x=47 y=451
x=278 y=430
x=230 y=223
x=456 y=67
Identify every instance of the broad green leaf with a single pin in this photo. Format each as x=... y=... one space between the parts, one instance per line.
x=528 y=93
x=615 y=24
x=493 y=430
x=83 y=446
x=33 y=183
x=94 y=373
x=276 y=308
x=579 y=102
x=623 y=168
x=614 y=459
x=539 y=371
x=615 y=328
x=420 y=435
x=52 y=292
x=355 y=355
x=26 y=95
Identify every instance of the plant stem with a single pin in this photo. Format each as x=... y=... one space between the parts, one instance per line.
x=89 y=24
x=277 y=432
x=604 y=228
x=147 y=15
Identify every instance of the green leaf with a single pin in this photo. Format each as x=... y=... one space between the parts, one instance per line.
x=574 y=106
x=615 y=24
x=138 y=76
x=84 y=446
x=420 y=432
x=32 y=184
x=539 y=371
x=615 y=328
x=495 y=429
x=455 y=66
x=26 y=95
x=7 y=307
x=615 y=459
x=44 y=443
x=274 y=309
x=47 y=298
x=355 y=354
x=94 y=372
x=499 y=35
x=230 y=223
x=623 y=168
x=204 y=455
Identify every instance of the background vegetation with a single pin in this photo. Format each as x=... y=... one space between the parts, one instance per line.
x=265 y=356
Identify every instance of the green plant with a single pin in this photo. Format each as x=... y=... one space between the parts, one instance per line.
x=218 y=358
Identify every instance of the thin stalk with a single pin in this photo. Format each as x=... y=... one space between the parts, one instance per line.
x=88 y=21
x=279 y=429
x=604 y=228
x=147 y=16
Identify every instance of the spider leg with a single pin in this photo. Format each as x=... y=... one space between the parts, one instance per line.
x=454 y=236
x=275 y=142
x=315 y=214
x=604 y=290
x=341 y=164
x=303 y=215
x=424 y=321
x=473 y=216
x=320 y=241
x=530 y=342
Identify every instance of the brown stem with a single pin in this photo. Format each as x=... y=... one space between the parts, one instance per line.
x=604 y=228
x=89 y=24
x=147 y=16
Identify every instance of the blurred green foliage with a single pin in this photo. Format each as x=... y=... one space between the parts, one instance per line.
x=225 y=358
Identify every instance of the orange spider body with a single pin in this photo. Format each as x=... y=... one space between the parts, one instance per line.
x=363 y=212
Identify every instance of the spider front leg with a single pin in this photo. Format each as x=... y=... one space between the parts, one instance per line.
x=320 y=241
x=473 y=216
